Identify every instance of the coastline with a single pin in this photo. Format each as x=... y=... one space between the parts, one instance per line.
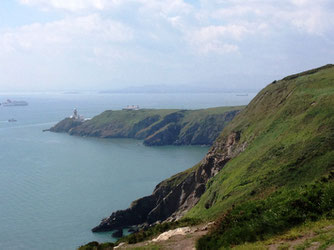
x=156 y=127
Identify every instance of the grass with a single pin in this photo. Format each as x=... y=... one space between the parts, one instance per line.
x=128 y=118
x=288 y=128
x=300 y=237
x=261 y=219
x=176 y=179
x=289 y=132
x=323 y=240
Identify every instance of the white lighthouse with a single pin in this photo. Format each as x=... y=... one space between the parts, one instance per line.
x=76 y=116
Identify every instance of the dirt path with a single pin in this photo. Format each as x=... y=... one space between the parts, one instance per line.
x=184 y=238
x=312 y=238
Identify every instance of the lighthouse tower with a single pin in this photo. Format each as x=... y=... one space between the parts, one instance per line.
x=75 y=114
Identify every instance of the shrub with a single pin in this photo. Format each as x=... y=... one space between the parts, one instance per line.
x=257 y=220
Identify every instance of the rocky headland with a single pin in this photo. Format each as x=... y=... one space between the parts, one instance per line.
x=156 y=127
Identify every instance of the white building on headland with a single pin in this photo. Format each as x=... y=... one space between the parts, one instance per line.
x=76 y=116
x=132 y=107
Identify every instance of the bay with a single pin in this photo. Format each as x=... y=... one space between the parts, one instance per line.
x=54 y=187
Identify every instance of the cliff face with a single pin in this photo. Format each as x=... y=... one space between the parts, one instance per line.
x=155 y=127
x=178 y=131
x=172 y=198
x=283 y=138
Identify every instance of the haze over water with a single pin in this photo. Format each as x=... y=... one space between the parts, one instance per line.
x=54 y=187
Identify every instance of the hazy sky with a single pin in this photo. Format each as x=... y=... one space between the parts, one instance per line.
x=114 y=44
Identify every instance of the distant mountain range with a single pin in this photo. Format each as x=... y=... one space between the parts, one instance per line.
x=177 y=89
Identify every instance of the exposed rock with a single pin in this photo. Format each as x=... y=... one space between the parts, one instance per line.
x=175 y=196
x=166 y=136
x=140 y=126
x=118 y=233
x=167 y=235
x=66 y=125
x=133 y=230
x=120 y=245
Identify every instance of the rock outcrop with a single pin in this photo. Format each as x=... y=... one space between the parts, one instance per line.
x=66 y=125
x=175 y=196
x=167 y=235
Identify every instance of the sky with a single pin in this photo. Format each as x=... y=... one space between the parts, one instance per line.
x=57 y=45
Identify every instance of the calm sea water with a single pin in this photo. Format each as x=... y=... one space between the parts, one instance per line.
x=54 y=187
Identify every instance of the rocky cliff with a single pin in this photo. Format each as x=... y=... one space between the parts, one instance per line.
x=175 y=196
x=283 y=138
x=155 y=126
x=66 y=125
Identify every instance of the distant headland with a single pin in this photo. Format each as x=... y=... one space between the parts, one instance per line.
x=156 y=127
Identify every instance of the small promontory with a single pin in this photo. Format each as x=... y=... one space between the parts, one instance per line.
x=156 y=127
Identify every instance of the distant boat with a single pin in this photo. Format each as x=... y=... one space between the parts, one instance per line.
x=241 y=94
x=12 y=120
x=10 y=103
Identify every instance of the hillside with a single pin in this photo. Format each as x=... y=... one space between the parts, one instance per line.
x=155 y=126
x=279 y=145
x=286 y=134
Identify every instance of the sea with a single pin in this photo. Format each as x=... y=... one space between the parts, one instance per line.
x=55 y=187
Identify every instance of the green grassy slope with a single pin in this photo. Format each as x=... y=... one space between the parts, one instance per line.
x=251 y=221
x=309 y=234
x=126 y=118
x=289 y=132
x=130 y=117
x=159 y=126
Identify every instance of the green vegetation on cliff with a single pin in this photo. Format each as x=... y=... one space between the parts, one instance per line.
x=155 y=126
x=259 y=219
x=288 y=134
x=317 y=234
